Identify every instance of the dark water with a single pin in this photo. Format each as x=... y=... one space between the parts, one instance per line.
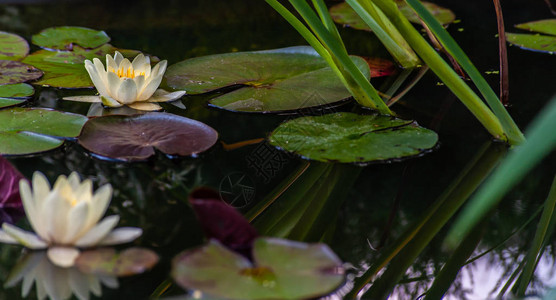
x=381 y=202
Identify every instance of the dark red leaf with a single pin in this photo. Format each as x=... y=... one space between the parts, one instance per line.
x=11 y=208
x=380 y=67
x=222 y=222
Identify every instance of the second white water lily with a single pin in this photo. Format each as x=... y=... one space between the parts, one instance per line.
x=66 y=218
x=123 y=82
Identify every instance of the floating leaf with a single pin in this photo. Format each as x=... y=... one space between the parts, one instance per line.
x=12 y=46
x=274 y=80
x=12 y=72
x=541 y=26
x=66 y=69
x=281 y=269
x=107 y=262
x=32 y=130
x=380 y=66
x=16 y=90
x=66 y=37
x=132 y=138
x=349 y=138
x=343 y=14
x=222 y=222
x=536 y=42
x=11 y=208
x=7 y=102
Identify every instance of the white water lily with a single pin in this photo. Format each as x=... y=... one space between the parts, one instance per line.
x=127 y=83
x=55 y=282
x=66 y=218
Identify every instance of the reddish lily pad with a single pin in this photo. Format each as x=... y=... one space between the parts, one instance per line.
x=107 y=262
x=66 y=37
x=281 y=269
x=222 y=222
x=343 y=14
x=12 y=46
x=65 y=69
x=133 y=138
x=12 y=72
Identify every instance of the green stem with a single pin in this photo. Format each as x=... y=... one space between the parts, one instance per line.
x=443 y=69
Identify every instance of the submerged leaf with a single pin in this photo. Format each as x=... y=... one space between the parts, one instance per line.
x=132 y=138
x=281 y=269
x=352 y=138
x=343 y=14
x=66 y=69
x=107 y=262
x=65 y=37
x=11 y=208
x=270 y=81
x=12 y=46
x=12 y=72
x=222 y=222
x=33 y=130
x=16 y=90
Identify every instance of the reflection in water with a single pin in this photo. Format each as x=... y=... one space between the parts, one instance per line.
x=56 y=282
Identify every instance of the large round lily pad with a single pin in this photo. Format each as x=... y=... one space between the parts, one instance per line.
x=12 y=46
x=12 y=72
x=275 y=80
x=132 y=138
x=352 y=138
x=17 y=90
x=536 y=42
x=33 y=130
x=66 y=37
x=66 y=69
x=281 y=269
x=343 y=14
x=107 y=262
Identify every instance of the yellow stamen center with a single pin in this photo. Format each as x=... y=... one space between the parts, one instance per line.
x=126 y=73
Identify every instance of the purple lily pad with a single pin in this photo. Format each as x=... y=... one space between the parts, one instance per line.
x=107 y=261
x=12 y=72
x=222 y=222
x=135 y=138
x=11 y=208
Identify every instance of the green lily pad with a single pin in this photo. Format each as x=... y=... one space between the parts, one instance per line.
x=16 y=90
x=352 y=138
x=66 y=37
x=33 y=130
x=535 y=42
x=343 y=14
x=271 y=81
x=66 y=69
x=12 y=72
x=107 y=262
x=281 y=269
x=7 y=102
x=12 y=46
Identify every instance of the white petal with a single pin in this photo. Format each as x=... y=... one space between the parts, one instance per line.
x=121 y=235
x=162 y=68
x=79 y=283
x=63 y=256
x=118 y=57
x=87 y=99
x=98 y=65
x=29 y=204
x=149 y=88
x=24 y=269
x=76 y=222
x=94 y=285
x=109 y=281
x=55 y=213
x=127 y=93
x=111 y=65
x=145 y=106
x=139 y=82
x=125 y=65
x=107 y=101
x=98 y=233
x=163 y=96
x=74 y=180
x=139 y=62
x=98 y=79
x=23 y=237
x=7 y=239
x=84 y=190
x=114 y=83
x=99 y=204
x=41 y=186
